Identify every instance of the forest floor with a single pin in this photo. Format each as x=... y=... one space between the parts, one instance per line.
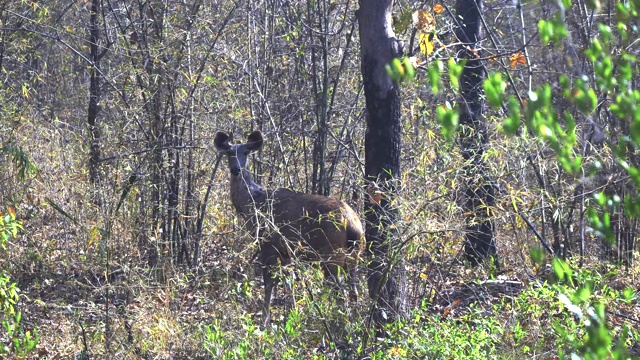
x=119 y=311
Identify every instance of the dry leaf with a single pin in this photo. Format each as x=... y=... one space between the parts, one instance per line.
x=423 y=21
x=517 y=58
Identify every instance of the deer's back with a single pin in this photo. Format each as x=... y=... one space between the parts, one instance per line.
x=325 y=225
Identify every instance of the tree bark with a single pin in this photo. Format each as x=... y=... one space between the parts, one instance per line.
x=94 y=93
x=480 y=191
x=386 y=276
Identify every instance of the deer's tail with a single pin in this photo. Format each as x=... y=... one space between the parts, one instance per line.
x=355 y=230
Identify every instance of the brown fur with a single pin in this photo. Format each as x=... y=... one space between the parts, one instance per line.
x=292 y=224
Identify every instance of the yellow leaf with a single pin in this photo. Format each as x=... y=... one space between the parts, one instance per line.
x=438 y=9
x=94 y=237
x=25 y=91
x=426 y=43
x=398 y=352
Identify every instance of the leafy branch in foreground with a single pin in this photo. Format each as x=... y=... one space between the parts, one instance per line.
x=16 y=341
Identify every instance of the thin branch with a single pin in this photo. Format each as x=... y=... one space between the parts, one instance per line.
x=142 y=151
x=56 y=37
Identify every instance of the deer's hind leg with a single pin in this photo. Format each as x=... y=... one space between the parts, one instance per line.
x=332 y=273
x=353 y=284
x=269 y=258
x=269 y=284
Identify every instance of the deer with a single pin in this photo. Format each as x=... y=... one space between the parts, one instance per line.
x=289 y=223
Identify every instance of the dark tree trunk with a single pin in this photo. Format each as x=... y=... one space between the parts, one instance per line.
x=386 y=278
x=94 y=94
x=480 y=191
x=320 y=58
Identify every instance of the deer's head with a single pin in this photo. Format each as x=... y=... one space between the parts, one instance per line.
x=238 y=153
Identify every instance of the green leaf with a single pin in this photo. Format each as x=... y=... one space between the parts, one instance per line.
x=390 y=73
x=455 y=71
x=595 y=50
x=581 y=295
x=537 y=255
x=512 y=123
x=545 y=30
x=563 y=271
x=434 y=73
x=558 y=269
x=448 y=119
x=628 y=294
x=605 y=32
x=553 y=30
x=400 y=70
x=408 y=67
x=494 y=87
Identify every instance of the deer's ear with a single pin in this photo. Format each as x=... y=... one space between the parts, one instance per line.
x=255 y=141
x=222 y=141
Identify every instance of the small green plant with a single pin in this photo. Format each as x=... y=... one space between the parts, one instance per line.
x=8 y=226
x=591 y=338
x=21 y=160
x=20 y=342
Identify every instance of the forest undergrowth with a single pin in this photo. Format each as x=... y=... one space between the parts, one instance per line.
x=93 y=299
x=118 y=239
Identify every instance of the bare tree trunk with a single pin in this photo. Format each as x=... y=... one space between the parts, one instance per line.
x=387 y=277
x=320 y=181
x=480 y=194
x=94 y=94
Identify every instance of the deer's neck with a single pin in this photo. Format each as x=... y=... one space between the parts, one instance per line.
x=246 y=195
